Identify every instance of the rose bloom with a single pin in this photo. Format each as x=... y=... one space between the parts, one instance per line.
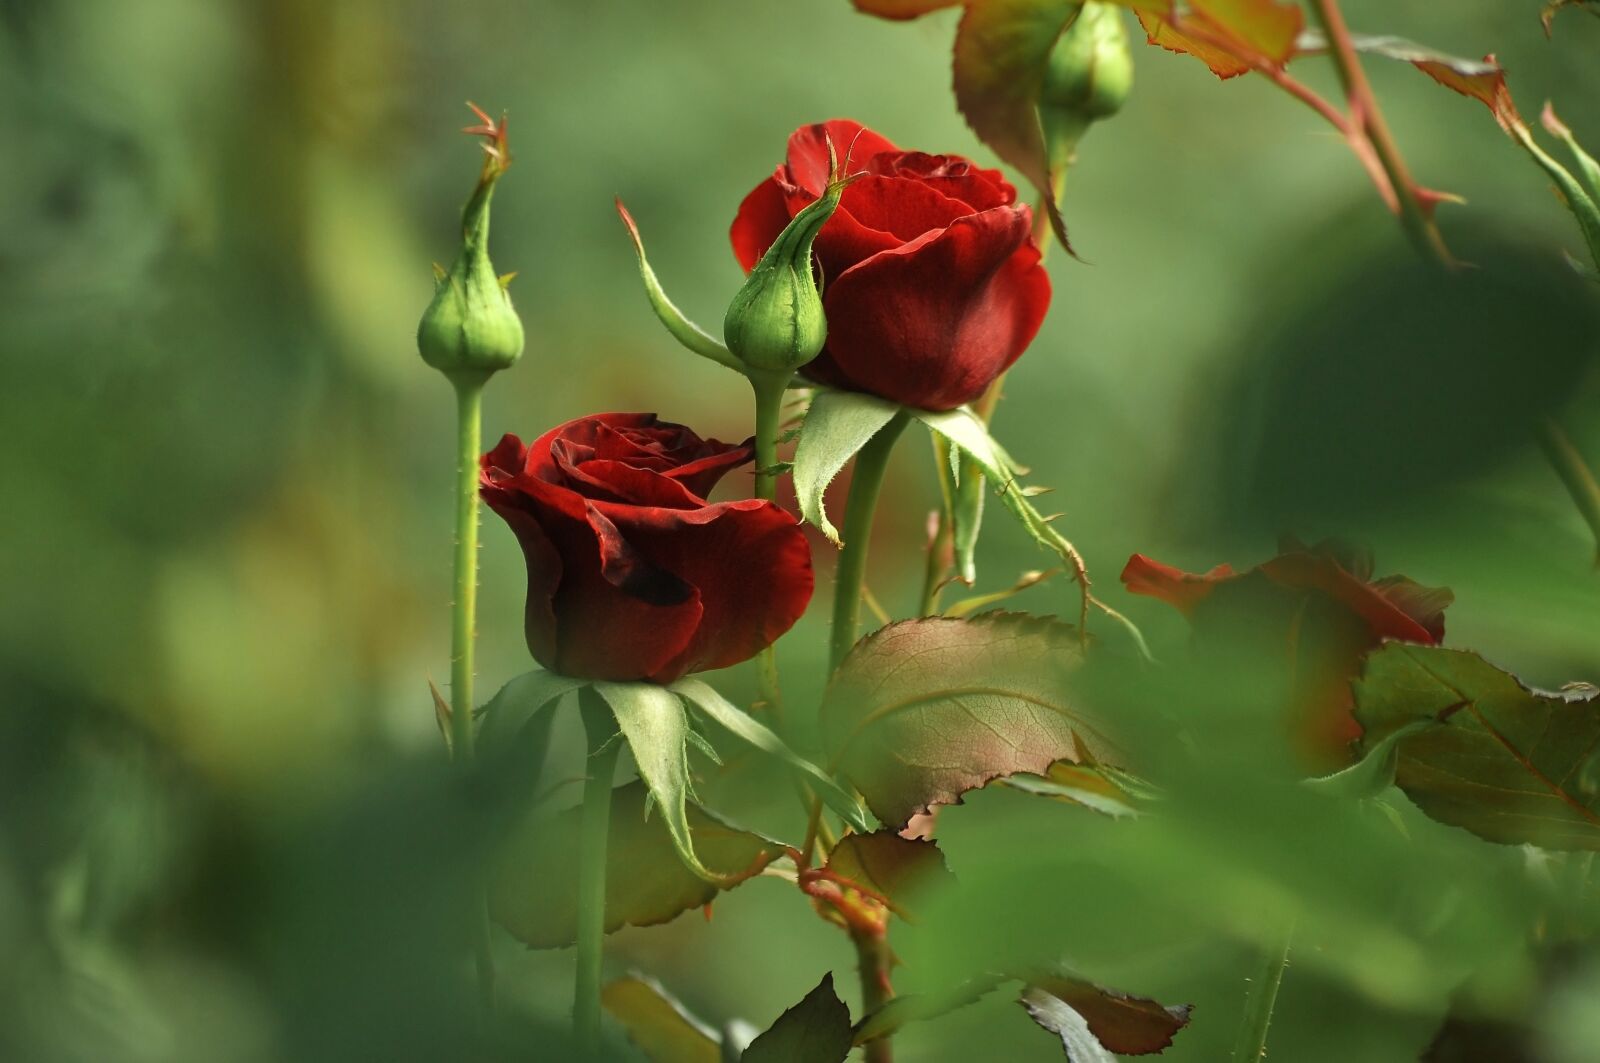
x=931 y=278
x=1316 y=609
x=632 y=573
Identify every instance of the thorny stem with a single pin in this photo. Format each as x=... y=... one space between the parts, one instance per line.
x=1366 y=117
x=595 y=825
x=463 y=613
x=1251 y=1045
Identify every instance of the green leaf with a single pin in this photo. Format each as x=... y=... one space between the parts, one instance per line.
x=661 y=1027
x=1093 y=1022
x=897 y=870
x=533 y=889
x=917 y=1007
x=816 y=1030
x=924 y=710
x=1508 y=763
x=838 y=424
x=1093 y=787
x=701 y=695
x=516 y=703
x=653 y=721
x=683 y=330
x=1374 y=772
x=1002 y=52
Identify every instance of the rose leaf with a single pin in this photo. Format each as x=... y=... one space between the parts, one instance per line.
x=816 y=1030
x=702 y=696
x=662 y=1028
x=1088 y=785
x=898 y=870
x=1002 y=51
x=837 y=425
x=657 y=729
x=924 y=710
x=509 y=711
x=1506 y=762
x=1093 y=1022
x=533 y=892
x=916 y=1007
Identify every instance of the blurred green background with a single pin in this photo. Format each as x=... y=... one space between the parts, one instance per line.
x=227 y=834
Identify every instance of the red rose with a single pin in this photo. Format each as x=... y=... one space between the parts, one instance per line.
x=932 y=282
x=1316 y=608
x=632 y=574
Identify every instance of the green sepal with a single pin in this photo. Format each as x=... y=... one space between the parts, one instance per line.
x=686 y=332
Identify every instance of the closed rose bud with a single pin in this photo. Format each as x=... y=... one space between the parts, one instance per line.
x=776 y=322
x=470 y=327
x=1088 y=78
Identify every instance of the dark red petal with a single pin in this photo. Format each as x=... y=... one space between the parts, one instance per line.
x=544 y=576
x=505 y=462
x=618 y=481
x=1315 y=572
x=952 y=176
x=1181 y=590
x=703 y=474
x=808 y=151
x=762 y=216
x=903 y=208
x=751 y=564
x=844 y=240
x=932 y=323
x=1425 y=605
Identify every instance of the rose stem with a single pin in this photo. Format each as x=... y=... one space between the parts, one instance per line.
x=1574 y=472
x=464 y=609
x=769 y=392
x=1251 y=1046
x=874 y=962
x=599 y=728
x=860 y=508
x=1369 y=119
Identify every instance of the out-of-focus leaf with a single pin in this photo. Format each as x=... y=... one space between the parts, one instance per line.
x=916 y=1007
x=701 y=695
x=1093 y=1022
x=902 y=9
x=1508 y=763
x=816 y=1030
x=661 y=1027
x=1374 y=772
x=1575 y=474
x=516 y=703
x=968 y=606
x=1001 y=54
x=533 y=890
x=683 y=330
x=1079 y=784
x=924 y=710
x=657 y=729
x=838 y=424
x=896 y=869
x=1482 y=80
x=1229 y=36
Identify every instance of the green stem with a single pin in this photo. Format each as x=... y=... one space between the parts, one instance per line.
x=860 y=507
x=1251 y=1046
x=769 y=393
x=1575 y=474
x=463 y=613
x=875 y=963
x=601 y=730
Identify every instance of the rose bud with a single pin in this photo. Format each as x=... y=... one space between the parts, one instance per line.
x=470 y=327
x=1088 y=78
x=776 y=323
x=932 y=283
x=632 y=573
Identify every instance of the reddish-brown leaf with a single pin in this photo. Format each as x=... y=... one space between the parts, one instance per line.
x=898 y=870
x=1229 y=36
x=1484 y=81
x=1126 y=1025
x=902 y=10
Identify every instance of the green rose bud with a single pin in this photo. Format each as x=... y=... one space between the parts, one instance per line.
x=1088 y=78
x=775 y=323
x=470 y=327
